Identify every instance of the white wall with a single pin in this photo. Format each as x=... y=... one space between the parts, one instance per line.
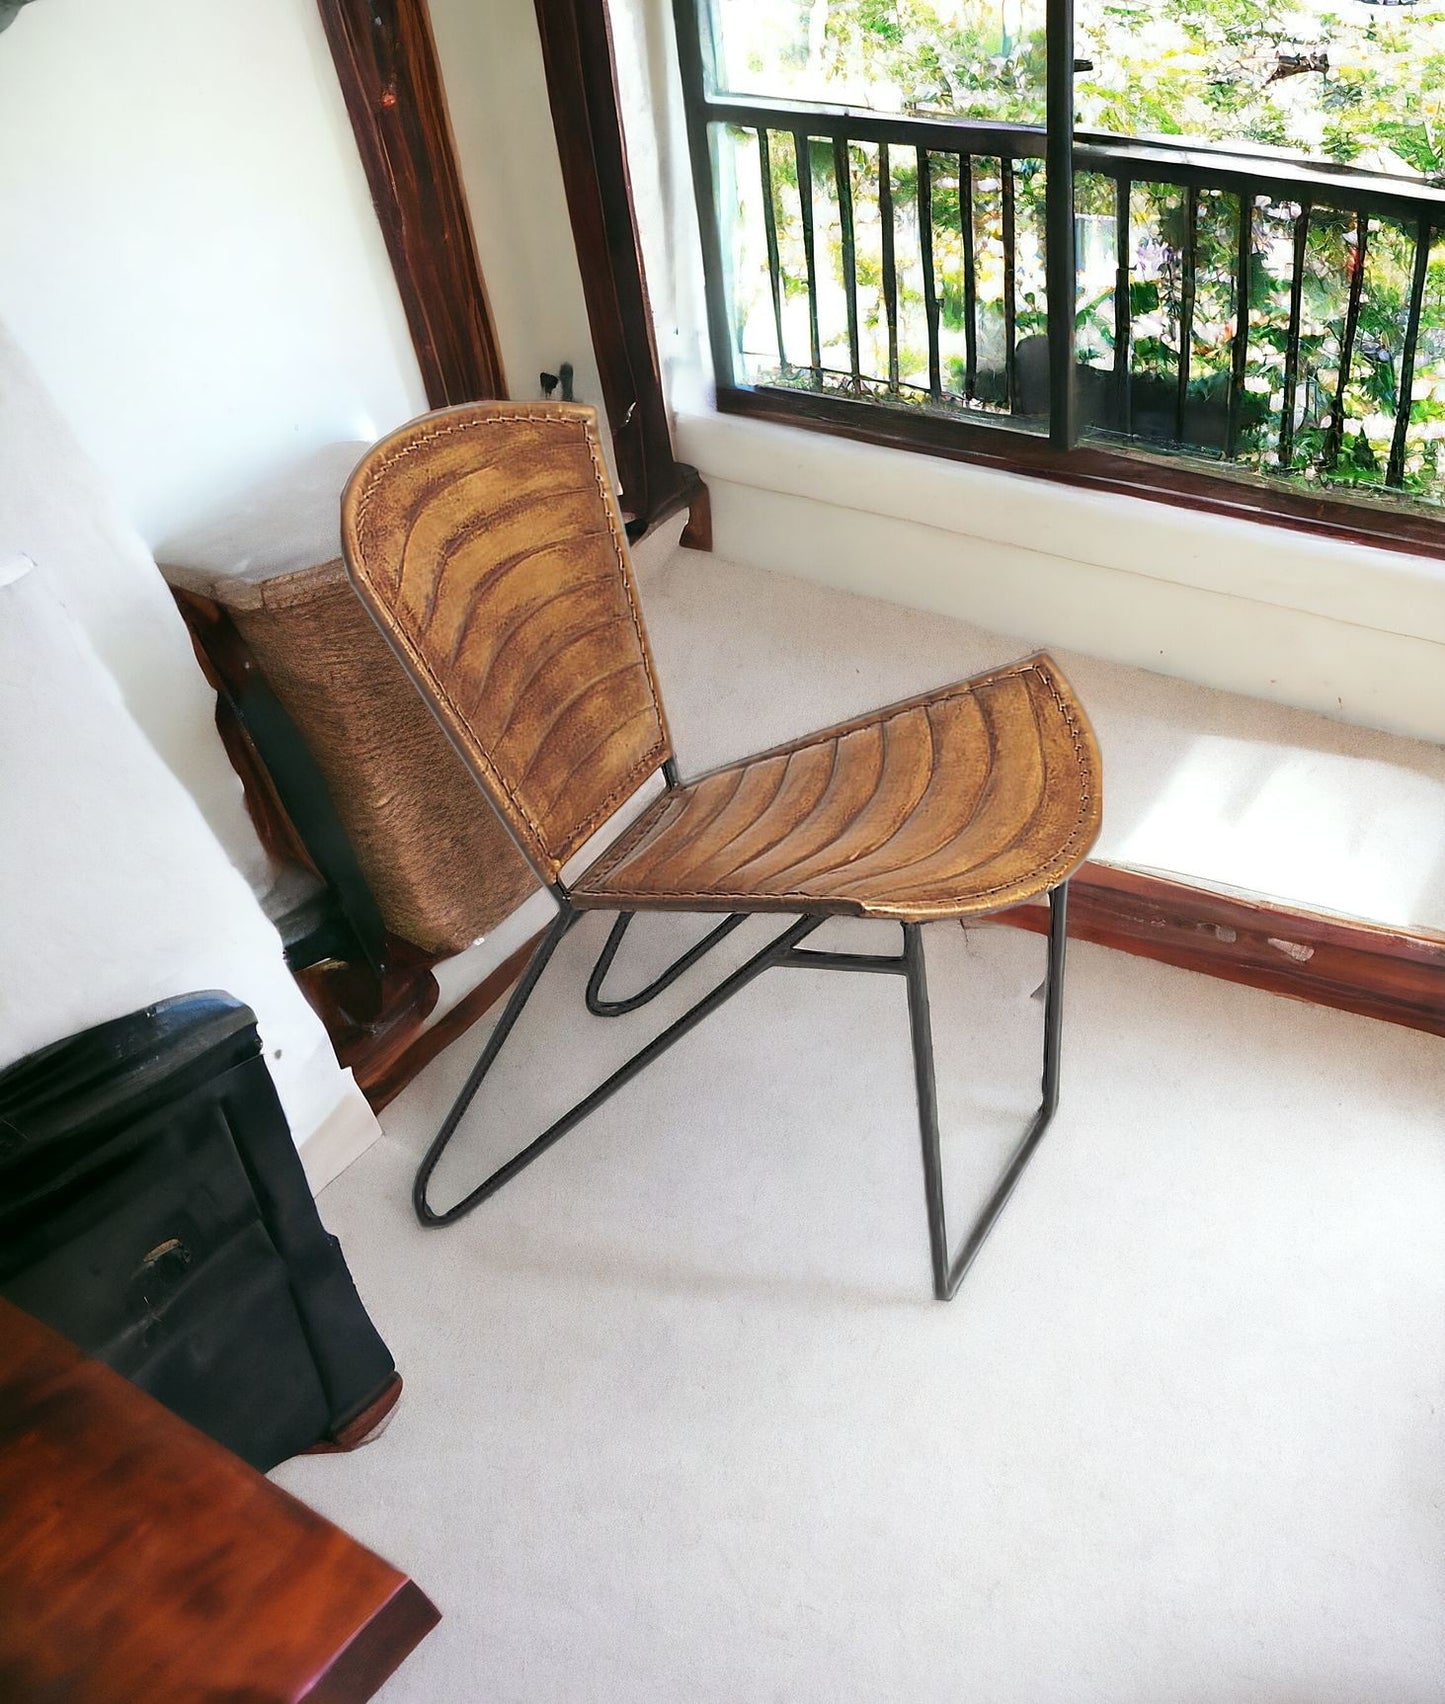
x=190 y=260
x=188 y=251
x=1355 y=634
x=122 y=881
x=491 y=63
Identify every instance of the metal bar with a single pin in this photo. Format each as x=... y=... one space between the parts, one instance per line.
x=1123 y=303
x=563 y=921
x=1159 y=160
x=970 y=276
x=1340 y=187
x=930 y=284
x=1060 y=244
x=783 y=949
x=601 y=1008
x=1010 y=277
x=746 y=973
x=870 y=386
x=921 y=1030
x=948 y=1275
x=1239 y=353
x=696 y=74
x=1334 y=440
x=1395 y=471
x=1053 y=1041
x=1186 y=309
x=1292 y=339
x=808 y=958
x=805 y=205
x=1054 y=995
x=942 y=135
x=770 y=231
x=843 y=171
x=890 y=272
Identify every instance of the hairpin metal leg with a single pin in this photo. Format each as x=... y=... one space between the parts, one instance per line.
x=948 y=1275
x=771 y=954
x=601 y=1008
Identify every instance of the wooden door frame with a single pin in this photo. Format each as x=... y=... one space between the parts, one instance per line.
x=577 y=51
x=386 y=63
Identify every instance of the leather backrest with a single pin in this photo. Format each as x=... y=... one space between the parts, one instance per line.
x=487 y=544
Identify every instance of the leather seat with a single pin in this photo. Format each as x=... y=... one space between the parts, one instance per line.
x=967 y=799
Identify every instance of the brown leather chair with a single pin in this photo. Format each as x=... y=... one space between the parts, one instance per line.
x=487 y=543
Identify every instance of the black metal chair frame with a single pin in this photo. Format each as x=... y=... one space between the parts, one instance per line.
x=786 y=950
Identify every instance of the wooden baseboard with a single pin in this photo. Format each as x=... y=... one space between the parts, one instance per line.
x=424 y=1047
x=1375 y=972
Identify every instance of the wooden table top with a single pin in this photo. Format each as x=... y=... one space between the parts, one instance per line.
x=141 y=1560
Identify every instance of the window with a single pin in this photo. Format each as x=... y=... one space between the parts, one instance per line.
x=1257 y=278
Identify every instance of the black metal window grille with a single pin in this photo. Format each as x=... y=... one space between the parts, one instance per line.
x=1234 y=309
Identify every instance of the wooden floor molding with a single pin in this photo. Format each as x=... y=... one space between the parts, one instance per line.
x=1358 y=967
x=383 y=1089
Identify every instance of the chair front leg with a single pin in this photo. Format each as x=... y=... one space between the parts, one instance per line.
x=949 y=1274
x=775 y=952
x=520 y=995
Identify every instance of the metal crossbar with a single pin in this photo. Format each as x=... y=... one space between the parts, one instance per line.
x=783 y=950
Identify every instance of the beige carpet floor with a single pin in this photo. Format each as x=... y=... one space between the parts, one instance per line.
x=682 y=1423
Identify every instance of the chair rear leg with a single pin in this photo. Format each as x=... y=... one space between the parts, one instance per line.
x=948 y=1275
x=1054 y=995
x=921 y=1028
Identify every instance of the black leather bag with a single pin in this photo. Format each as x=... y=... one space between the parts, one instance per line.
x=154 y=1210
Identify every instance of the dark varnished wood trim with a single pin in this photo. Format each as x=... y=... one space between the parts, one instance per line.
x=582 y=89
x=1375 y=972
x=697 y=534
x=1157 y=480
x=373 y=1022
x=386 y=61
x=422 y=1049
x=379 y=1649
x=369 y=1423
x=145 y=1561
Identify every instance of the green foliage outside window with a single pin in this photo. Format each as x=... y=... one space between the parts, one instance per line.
x=1347 y=82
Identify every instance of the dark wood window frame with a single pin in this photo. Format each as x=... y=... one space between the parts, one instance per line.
x=581 y=71
x=1058 y=456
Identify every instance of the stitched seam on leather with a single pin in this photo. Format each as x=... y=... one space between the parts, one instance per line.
x=610 y=859
x=658 y=750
